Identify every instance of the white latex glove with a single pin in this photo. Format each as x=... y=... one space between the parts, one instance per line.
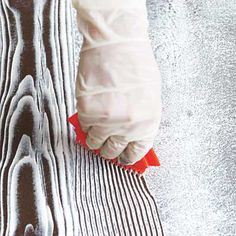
x=118 y=87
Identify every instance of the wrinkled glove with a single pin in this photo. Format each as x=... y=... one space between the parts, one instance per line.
x=118 y=86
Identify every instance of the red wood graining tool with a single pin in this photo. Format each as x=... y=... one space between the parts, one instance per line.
x=150 y=159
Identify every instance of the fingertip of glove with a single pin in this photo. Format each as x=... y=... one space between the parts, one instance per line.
x=106 y=154
x=123 y=160
x=90 y=143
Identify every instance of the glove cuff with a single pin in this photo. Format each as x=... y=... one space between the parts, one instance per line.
x=112 y=24
x=107 y=4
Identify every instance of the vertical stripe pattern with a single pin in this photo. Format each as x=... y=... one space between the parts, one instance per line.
x=115 y=201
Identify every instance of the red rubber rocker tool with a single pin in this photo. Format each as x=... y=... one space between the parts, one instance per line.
x=150 y=159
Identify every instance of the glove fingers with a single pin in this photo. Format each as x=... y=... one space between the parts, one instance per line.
x=83 y=126
x=113 y=147
x=97 y=136
x=134 y=152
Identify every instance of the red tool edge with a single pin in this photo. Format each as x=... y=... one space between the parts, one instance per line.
x=150 y=159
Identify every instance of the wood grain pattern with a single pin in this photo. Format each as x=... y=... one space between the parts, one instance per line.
x=49 y=185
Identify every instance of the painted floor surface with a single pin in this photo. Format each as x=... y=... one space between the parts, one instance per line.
x=194 y=45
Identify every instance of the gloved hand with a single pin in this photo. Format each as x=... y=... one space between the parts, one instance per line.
x=118 y=86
